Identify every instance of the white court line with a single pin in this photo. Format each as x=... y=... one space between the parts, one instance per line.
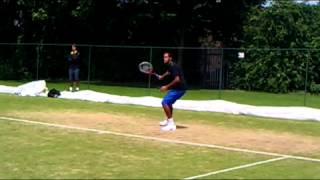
x=161 y=139
x=237 y=167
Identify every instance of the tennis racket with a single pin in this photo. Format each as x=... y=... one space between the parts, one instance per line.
x=147 y=68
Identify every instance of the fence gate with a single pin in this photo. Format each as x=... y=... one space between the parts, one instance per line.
x=212 y=74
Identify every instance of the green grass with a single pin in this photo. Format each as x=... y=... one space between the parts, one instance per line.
x=35 y=151
x=285 y=169
x=9 y=103
x=32 y=151
x=244 y=97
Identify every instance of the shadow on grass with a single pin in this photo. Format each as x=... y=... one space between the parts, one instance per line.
x=181 y=127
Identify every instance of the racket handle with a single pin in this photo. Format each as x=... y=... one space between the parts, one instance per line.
x=158 y=76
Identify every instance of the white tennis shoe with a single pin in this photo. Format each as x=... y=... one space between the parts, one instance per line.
x=164 y=122
x=169 y=127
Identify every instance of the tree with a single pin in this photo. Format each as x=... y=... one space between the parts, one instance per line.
x=182 y=23
x=175 y=22
x=285 y=24
x=125 y=22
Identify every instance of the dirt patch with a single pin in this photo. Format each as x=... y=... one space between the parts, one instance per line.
x=263 y=140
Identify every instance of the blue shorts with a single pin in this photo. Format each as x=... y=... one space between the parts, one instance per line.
x=74 y=74
x=172 y=96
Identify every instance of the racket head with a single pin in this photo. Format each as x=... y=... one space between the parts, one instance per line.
x=145 y=67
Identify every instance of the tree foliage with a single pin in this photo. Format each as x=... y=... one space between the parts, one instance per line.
x=285 y=25
x=139 y=22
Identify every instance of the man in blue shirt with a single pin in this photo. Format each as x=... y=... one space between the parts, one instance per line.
x=176 y=89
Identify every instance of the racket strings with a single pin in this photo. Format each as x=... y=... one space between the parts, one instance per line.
x=145 y=67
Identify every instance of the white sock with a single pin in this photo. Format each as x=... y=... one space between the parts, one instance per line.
x=170 y=121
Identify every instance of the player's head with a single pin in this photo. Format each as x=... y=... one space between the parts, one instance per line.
x=74 y=47
x=167 y=57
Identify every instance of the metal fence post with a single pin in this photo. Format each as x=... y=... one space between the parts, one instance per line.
x=220 y=74
x=306 y=80
x=38 y=58
x=149 y=77
x=89 y=66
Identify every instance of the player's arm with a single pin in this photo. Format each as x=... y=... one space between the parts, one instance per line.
x=164 y=75
x=175 y=81
x=69 y=58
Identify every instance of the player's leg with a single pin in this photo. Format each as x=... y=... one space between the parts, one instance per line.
x=167 y=110
x=169 y=100
x=167 y=103
x=171 y=97
x=76 y=78
x=168 y=114
x=166 y=107
x=70 y=78
x=170 y=125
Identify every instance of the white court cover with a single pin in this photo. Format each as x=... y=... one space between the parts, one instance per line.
x=38 y=88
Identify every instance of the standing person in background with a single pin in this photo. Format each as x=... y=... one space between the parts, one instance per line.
x=74 y=68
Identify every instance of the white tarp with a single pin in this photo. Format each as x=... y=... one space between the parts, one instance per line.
x=37 y=88
x=34 y=88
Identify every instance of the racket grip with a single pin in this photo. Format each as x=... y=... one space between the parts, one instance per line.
x=158 y=76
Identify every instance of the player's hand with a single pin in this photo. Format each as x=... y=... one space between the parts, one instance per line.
x=164 y=89
x=161 y=77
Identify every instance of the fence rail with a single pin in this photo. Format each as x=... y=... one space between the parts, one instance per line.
x=204 y=67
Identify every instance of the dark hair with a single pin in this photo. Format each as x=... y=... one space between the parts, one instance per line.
x=169 y=53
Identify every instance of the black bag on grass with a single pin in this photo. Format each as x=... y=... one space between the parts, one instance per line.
x=54 y=93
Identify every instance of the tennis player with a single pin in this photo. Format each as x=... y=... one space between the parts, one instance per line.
x=176 y=89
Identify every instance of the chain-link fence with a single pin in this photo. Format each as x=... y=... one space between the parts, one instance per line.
x=271 y=70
